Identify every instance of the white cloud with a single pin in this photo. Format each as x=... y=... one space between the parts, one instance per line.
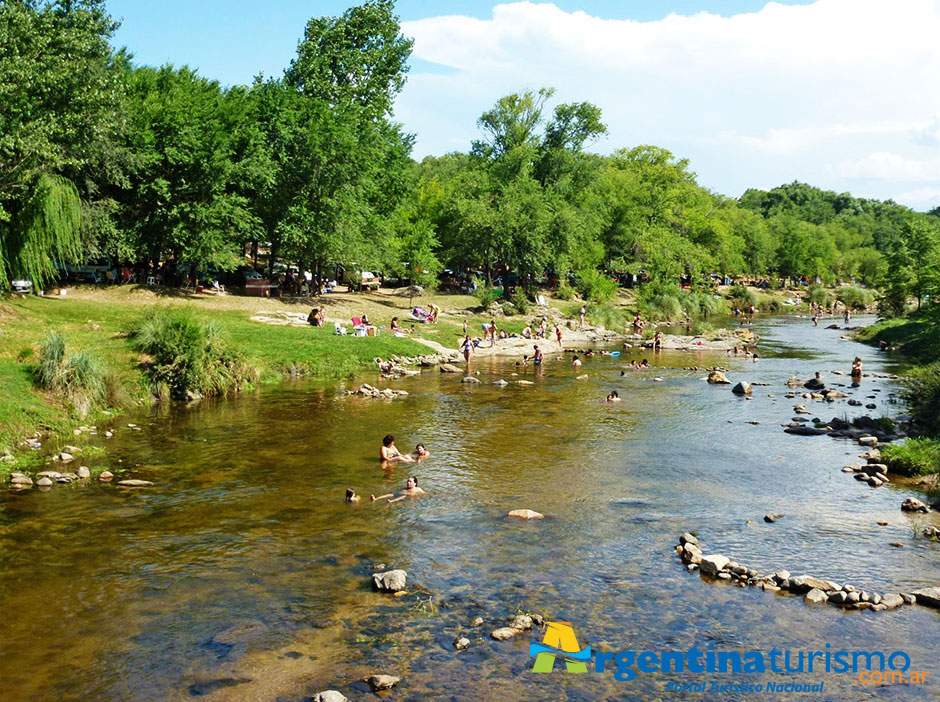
x=885 y=166
x=789 y=92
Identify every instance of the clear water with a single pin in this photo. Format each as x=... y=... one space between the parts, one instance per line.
x=243 y=575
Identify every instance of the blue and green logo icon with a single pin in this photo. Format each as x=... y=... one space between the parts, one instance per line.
x=559 y=642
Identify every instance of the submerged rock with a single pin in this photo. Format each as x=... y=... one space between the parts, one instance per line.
x=525 y=514
x=105 y=476
x=505 y=633
x=382 y=682
x=390 y=580
x=449 y=368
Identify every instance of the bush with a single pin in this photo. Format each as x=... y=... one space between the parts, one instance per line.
x=854 y=297
x=520 y=302
x=564 y=292
x=607 y=315
x=922 y=393
x=742 y=296
x=769 y=303
x=702 y=304
x=81 y=378
x=596 y=286
x=485 y=296
x=190 y=359
x=913 y=457
x=818 y=295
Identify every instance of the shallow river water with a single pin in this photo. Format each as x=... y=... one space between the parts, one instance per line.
x=242 y=575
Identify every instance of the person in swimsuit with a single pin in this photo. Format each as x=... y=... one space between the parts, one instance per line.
x=576 y=362
x=537 y=356
x=390 y=454
x=467 y=347
x=857 y=368
x=411 y=490
x=351 y=496
x=420 y=452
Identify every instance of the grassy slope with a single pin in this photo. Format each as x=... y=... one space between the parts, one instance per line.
x=914 y=336
x=26 y=320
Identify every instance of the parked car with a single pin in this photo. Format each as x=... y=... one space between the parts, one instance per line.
x=23 y=286
x=360 y=280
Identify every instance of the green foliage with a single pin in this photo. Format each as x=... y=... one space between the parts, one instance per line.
x=914 y=457
x=486 y=295
x=79 y=378
x=743 y=297
x=190 y=359
x=854 y=297
x=564 y=292
x=818 y=295
x=607 y=315
x=922 y=392
x=596 y=286
x=520 y=301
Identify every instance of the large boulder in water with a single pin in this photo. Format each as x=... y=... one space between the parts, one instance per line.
x=742 y=388
x=718 y=378
x=814 y=384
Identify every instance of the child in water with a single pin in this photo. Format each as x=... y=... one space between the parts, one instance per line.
x=351 y=496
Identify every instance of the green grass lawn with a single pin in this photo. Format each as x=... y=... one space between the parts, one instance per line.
x=100 y=326
x=916 y=336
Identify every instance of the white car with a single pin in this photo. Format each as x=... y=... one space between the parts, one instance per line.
x=23 y=286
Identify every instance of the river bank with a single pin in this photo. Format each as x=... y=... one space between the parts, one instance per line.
x=271 y=334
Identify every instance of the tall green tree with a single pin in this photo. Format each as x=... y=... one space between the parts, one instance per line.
x=60 y=118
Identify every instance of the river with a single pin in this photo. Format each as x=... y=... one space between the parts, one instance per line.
x=242 y=574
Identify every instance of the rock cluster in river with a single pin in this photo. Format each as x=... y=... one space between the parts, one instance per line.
x=518 y=624
x=367 y=390
x=814 y=590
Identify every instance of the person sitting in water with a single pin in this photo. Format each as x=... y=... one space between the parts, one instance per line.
x=613 y=397
x=576 y=362
x=351 y=495
x=857 y=367
x=589 y=354
x=644 y=364
x=384 y=366
x=420 y=452
x=754 y=357
x=390 y=454
x=411 y=490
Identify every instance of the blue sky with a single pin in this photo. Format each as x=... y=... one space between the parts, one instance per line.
x=838 y=93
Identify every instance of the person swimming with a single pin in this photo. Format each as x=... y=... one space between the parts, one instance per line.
x=613 y=396
x=420 y=452
x=576 y=362
x=390 y=454
x=411 y=489
x=351 y=495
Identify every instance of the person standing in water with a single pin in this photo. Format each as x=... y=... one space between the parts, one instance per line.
x=857 y=368
x=537 y=356
x=467 y=347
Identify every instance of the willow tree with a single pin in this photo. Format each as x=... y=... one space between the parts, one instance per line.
x=60 y=104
